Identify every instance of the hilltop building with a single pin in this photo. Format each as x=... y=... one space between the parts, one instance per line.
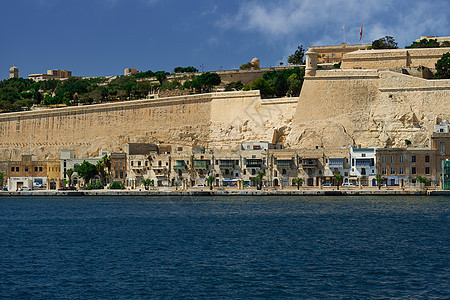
x=51 y=74
x=334 y=54
x=14 y=72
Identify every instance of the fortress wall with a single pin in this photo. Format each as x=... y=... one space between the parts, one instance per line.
x=221 y=120
x=392 y=58
x=238 y=119
x=87 y=129
x=381 y=108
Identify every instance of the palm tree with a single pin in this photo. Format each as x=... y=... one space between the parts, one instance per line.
x=2 y=177
x=106 y=160
x=379 y=180
x=259 y=179
x=210 y=180
x=147 y=182
x=69 y=174
x=337 y=179
x=298 y=181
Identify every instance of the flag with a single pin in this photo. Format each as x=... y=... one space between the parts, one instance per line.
x=343 y=27
x=360 y=33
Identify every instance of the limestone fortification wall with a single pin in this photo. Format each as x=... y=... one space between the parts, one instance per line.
x=222 y=120
x=392 y=58
x=368 y=108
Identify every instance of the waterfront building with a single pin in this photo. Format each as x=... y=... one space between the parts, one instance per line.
x=336 y=162
x=311 y=166
x=129 y=71
x=202 y=166
x=53 y=174
x=283 y=167
x=227 y=167
x=68 y=160
x=138 y=164
x=118 y=170
x=159 y=170
x=446 y=174
x=181 y=167
x=393 y=164
x=254 y=159
x=363 y=166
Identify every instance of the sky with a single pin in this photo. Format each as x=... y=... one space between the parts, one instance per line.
x=103 y=37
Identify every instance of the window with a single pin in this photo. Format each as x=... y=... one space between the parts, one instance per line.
x=363 y=171
x=245 y=171
x=139 y=163
x=413 y=170
x=40 y=169
x=383 y=171
x=400 y=158
x=131 y=163
x=442 y=148
x=413 y=158
x=17 y=169
x=363 y=155
x=392 y=159
x=253 y=171
x=283 y=172
x=427 y=170
x=26 y=169
x=392 y=171
x=35 y=169
x=383 y=158
x=401 y=171
x=427 y=158
x=12 y=169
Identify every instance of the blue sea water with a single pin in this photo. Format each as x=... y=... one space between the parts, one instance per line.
x=224 y=247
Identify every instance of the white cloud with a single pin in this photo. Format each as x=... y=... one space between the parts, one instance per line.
x=321 y=21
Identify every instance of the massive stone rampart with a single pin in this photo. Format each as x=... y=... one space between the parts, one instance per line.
x=368 y=108
x=218 y=119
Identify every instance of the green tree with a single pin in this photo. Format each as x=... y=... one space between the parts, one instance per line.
x=425 y=43
x=259 y=179
x=297 y=57
x=422 y=181
x=386 y=42
x=116 y=185
x=87 y=171
x=147 y=183
x=443 y=67
x=246 y=66
x=2 y=178
x=69 y=173
x=298 y=181
x=161 y=76
x=234 y=86
x=337 y=179
x=210 y=179
x=263 y=86
x=379 y=179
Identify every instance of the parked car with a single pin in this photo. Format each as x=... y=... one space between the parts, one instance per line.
x=200 y=185
x=37 y=185
x=348 y=184
x=24 y=188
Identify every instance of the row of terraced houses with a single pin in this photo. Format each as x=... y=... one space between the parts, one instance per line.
x=172 y=165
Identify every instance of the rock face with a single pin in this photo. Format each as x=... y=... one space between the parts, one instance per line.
x=336 y=109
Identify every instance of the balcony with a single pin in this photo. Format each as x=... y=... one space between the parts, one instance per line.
x=201 y=164
x=363 y=162
x=284 y=163
x=309 y=162
x=227 y=164
x=337 y=163
x=180 y=165
x=254 y=163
